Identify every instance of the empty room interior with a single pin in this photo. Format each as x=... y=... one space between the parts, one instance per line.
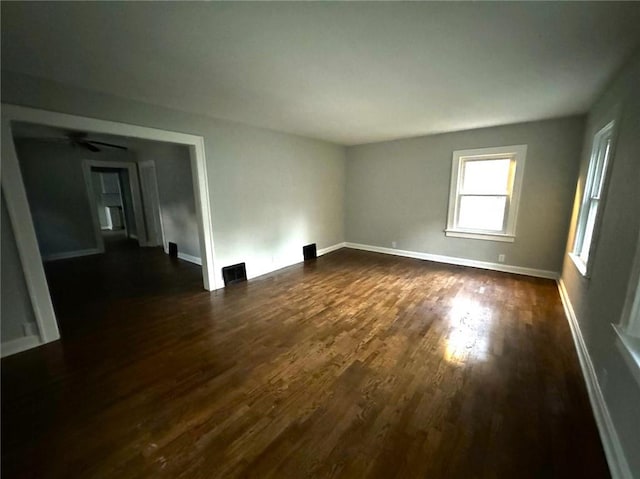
x=320 y=239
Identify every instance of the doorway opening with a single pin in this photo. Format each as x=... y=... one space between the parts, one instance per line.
x=113 y=211
x=21 y=217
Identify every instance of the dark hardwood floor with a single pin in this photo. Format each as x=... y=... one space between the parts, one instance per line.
x=356 y=365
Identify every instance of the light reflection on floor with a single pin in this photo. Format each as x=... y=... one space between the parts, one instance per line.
x=469 y=334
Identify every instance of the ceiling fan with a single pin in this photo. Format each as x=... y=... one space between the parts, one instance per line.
x=80 y=138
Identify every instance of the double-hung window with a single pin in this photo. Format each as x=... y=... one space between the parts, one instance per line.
x=586 y=230
x=485 y=192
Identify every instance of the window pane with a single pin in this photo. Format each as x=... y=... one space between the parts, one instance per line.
x=486 y=176
x=588 y=230
x=601 y=169
x=482 y=212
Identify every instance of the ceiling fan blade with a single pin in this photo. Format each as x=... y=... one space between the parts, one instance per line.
x=53 y=140
x=110 y=145
x=88 y=146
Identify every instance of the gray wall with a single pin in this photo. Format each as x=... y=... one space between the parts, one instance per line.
x=399 y=191
x=175 y=191
x=54 y=180
x=15 y=305
x=271 y=192
x=598 y=301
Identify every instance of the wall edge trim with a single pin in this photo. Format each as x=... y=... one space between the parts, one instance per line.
x=329 y=249
x=190 y=258
x=18 y=345
x=618 y=465
x=505 y=268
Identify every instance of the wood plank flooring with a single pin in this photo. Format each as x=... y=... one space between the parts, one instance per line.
x=357 y=365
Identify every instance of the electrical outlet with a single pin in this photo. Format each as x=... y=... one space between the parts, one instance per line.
x=501 y=258
x=394 y=244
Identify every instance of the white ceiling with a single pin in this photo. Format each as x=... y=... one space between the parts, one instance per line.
x=345 y=72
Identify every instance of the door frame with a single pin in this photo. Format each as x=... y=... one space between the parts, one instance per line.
x=155 y=201
x=20 y=215
x=136 y=195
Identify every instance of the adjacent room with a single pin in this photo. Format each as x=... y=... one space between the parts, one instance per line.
x=107 y=210
x=320 y=239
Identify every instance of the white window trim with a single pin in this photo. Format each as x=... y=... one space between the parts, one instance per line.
x=518 y=153
x=628 y=328
x=629 y=346
x=628 y=331
x=584 y=268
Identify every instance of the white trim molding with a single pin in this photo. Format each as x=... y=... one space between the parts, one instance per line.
x=579 y=264
x=71 y=254
x=618 y=465
x=630 y=323
x=629 y=347
x=18 y=345
x=17 y=204
x=329 y=249
x=505 y=268
x=190 y=258
x=628 y=329
x=482 y=236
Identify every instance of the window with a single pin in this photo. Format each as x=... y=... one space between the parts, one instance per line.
x=485 y=191
x=628 y=329
x=586 y=230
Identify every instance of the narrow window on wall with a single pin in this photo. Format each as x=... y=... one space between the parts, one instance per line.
x=591 y=206
x=628 y=328
x=485 y=192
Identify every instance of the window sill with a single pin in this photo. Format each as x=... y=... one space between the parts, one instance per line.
x=581 y=266
x=481 y=236
x=630 y=348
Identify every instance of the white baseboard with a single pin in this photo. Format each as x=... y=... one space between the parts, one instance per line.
x=18 y=345
x=505 y=268
x=185 y=256
x=329 y=249
x=189 y=258
x=290 y=260
x=71 y=254
x=616 y=459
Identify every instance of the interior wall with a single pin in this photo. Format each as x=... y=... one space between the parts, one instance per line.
x=15 y=304
x=271 y=192
x=54 y=181
x=175 y=191
x=399 y=191
x=598 y=302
